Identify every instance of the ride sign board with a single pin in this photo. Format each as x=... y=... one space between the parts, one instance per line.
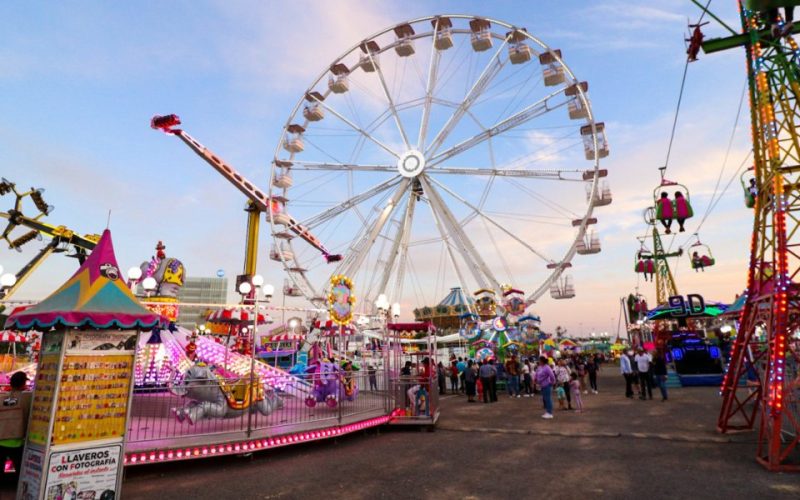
x=692 y=305
x=79 y=416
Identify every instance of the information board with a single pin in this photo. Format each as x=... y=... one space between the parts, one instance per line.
x=45 y=385
x=93 y=399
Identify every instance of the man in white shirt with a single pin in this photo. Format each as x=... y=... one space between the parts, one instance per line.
x=627 y=372
x=643 y=361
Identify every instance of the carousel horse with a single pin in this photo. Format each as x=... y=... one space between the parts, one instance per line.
x=214 y=397
x=327 y=384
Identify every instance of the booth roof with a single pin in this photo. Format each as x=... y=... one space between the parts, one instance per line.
x=95 y=296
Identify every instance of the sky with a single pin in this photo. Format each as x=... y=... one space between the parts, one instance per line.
x=82 y=79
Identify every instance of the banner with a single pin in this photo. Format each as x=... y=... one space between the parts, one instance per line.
x=88 y=473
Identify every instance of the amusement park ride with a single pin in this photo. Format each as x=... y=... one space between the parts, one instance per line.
x=760 y=386
x=62 y=238
x=397 y=177
x=258 y=203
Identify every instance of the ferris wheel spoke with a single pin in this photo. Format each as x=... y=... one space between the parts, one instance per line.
x=400 y=238
x=491 y=70
x=548 y=174
x=535 y=110
x=358 y=252
x=355 y=127
x=433 y=67
x=403 y=257
x=483 y=274
x=493 y=222
x=330 y=166
x=332 y=212
x=390 y=101
x=343 y=167
x=449 y=251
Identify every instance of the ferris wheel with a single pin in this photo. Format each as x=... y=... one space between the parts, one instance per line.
x=444 y=151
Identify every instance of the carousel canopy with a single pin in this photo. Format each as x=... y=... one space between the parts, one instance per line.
x=456 y=297
x=234 y=315
x=95 y=296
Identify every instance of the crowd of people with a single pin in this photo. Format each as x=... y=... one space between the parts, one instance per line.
x=643 y=371
x=568 y=378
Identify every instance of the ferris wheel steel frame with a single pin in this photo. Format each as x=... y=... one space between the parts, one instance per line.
x=454 y=239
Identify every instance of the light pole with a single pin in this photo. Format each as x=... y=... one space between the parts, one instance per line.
x=7 y=280
x=134 y=275
x=149 y=284
x=255 y=284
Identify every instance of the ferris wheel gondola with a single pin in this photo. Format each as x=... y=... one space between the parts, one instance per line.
x=411 y=153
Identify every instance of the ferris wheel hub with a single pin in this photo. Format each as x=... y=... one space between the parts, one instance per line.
x=411 y=163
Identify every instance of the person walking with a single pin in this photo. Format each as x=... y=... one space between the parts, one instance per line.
x=660 y=373
x=627 y=371
x=512 y=374
x=441 y=378
x=591 y=370
x=453 y=368
x=580 y=369
x=527 y=380
x=372 y=373
x=461 y=365
x=643 y=360
x=470 y=377
x=546 y=379
x=488 y=376
x=575 y=388
x=562 y=378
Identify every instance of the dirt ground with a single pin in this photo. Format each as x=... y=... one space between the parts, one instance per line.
x=617 y=448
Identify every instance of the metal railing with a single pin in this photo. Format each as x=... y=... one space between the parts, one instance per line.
x=159 y=414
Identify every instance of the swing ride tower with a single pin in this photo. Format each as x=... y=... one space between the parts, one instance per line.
x=665 y=282
x=757 y=387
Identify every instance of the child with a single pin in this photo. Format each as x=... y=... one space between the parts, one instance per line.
x=562 y=398
x=575 y=392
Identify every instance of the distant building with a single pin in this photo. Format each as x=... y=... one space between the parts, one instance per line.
x=201 y=290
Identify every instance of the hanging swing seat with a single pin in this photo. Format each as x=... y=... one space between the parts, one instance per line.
x=703 y=261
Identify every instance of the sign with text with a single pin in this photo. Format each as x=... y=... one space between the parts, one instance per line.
x=31 y=477
x=84 y=473
x=79 y=416
x=692 y=305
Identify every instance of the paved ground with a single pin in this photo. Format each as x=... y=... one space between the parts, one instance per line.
x=618 y=448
